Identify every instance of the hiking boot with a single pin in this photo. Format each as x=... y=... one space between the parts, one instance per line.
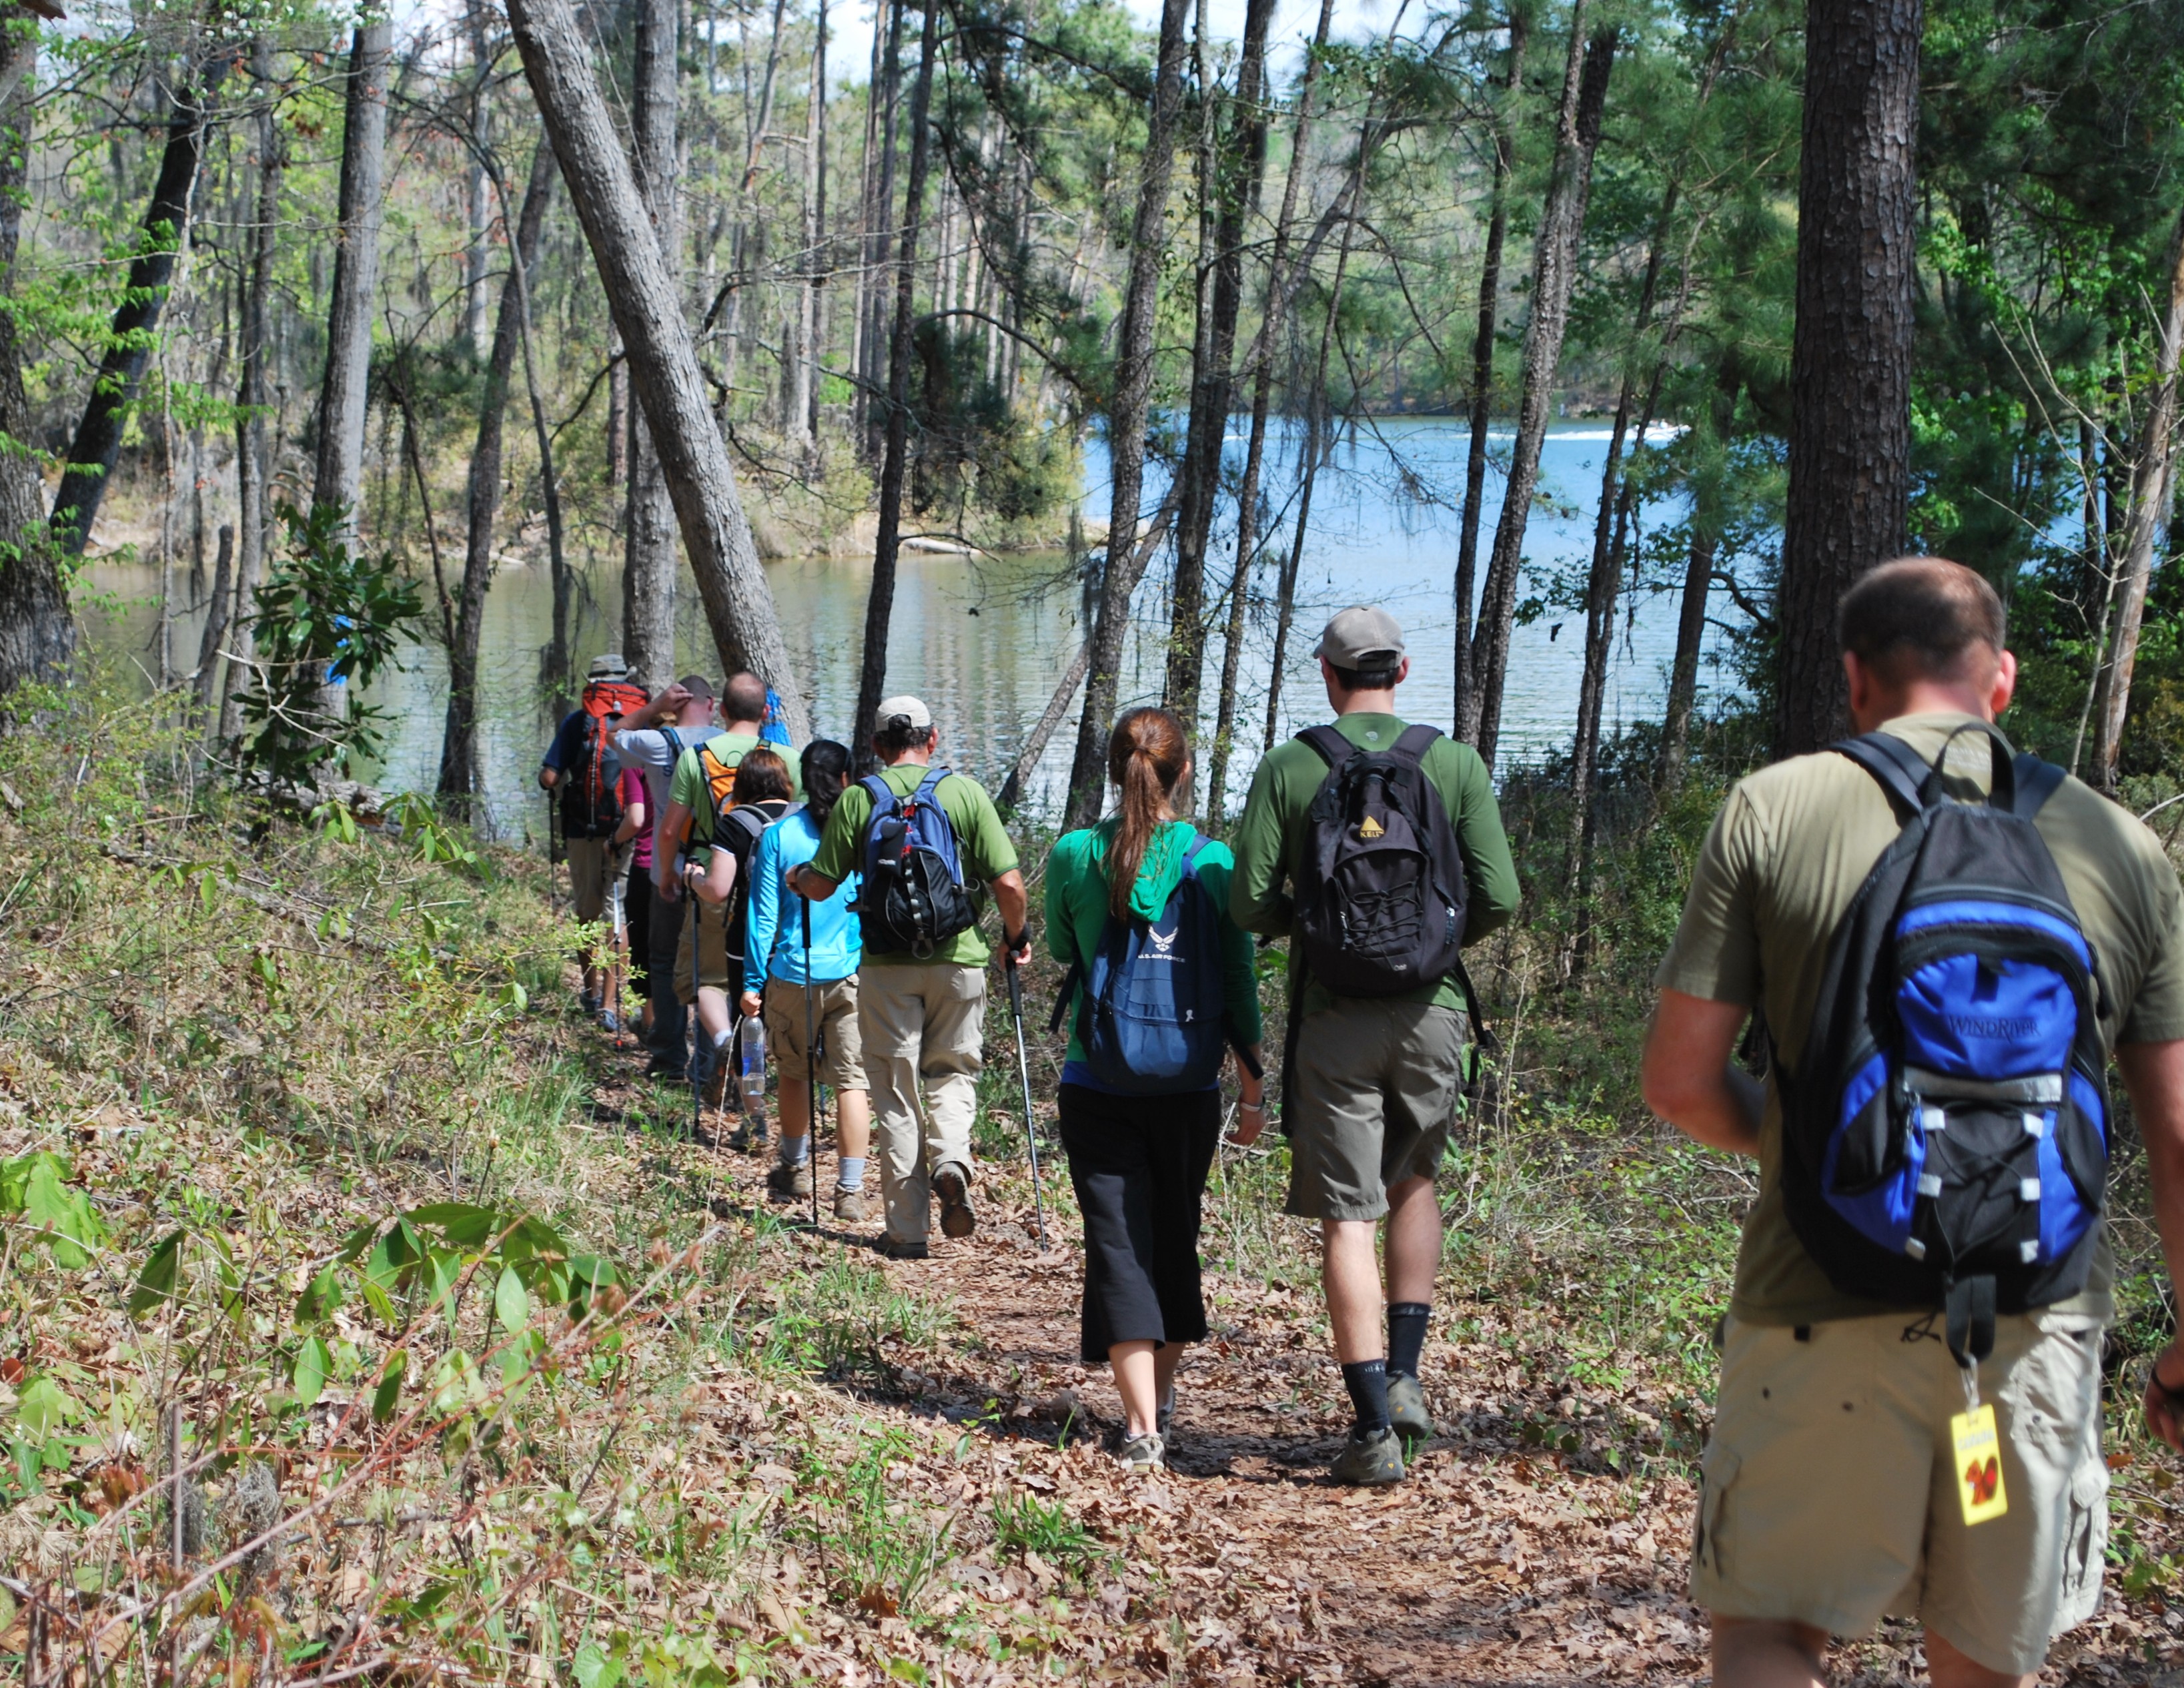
x=1406 y=1409
x=717 y=1085
x=850 y=1205
x=665 y=1072
x=956 y=1218
x=1142 y=1453
x=1369 y=1457
x=749 y=1136
x=787 y=1182
x=894 y=1248
x=589 y=1002
x=609 y=1022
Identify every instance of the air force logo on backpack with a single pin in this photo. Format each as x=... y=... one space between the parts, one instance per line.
x=1947 y=1143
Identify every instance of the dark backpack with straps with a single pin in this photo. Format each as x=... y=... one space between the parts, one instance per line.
x=1380 y=890
x=914 y=897
x=1946 y=1145
x=738 y=831
x=1152 y=1008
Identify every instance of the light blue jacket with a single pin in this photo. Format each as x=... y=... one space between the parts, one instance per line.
x=776 y=949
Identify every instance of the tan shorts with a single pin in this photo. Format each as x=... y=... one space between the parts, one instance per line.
x=1828 y=1495
x=596 y=866
x=834 y=1004
x=1376 y=1088
x=711 y=940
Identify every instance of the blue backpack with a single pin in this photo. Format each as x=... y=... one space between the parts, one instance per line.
x=1945 y=1145
x=1151 y=1014
x=914 y=897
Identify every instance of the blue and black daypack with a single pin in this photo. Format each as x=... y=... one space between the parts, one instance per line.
x=914 y=897
x=1948 y=1145
x=1151 y=1014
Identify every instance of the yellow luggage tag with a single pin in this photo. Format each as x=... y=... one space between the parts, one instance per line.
x=1978 y=1464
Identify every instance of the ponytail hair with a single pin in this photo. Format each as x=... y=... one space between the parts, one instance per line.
x=826 y=766
x=1147 y=755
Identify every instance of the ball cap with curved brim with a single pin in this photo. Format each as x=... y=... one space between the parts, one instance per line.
x=1362 y=639
x=608 y=667
x=902 y=712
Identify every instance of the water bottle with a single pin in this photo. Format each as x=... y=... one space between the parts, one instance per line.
x=754 y=1069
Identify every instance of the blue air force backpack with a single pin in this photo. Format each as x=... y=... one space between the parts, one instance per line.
x=1946 y=1146
x=1152 y=1014
x=914 y=897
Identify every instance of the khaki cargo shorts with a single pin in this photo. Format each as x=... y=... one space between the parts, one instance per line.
x=1828 y=1495
x=709 y=933
x=596 y=866
x=1375 y=1091
x=833 y=1005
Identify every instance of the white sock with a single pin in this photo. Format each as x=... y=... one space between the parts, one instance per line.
x=720 y=1039
x=851 y=1172
x=793 y=1149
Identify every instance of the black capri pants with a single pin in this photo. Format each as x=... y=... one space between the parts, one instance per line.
x=1139 y=1165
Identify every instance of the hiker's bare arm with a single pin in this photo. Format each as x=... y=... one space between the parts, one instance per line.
x=2153 y=1074
x=633 y=823
x=548 y=778
x=803 y=880
x=1689 y=1076
x=718 y=880
x=1016 y=915
x=672 y=831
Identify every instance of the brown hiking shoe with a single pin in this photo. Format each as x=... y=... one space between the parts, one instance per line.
x=952 y=1188
x=850 y=1205
x=787 y=1182
x=717 y=1085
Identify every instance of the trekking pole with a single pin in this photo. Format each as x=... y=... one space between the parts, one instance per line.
x=811 y=1068
x=1023 y=1072
x=700 y=1042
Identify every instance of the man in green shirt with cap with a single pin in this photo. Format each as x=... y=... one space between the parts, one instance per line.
x=1374 y=1081
x=922 y=1017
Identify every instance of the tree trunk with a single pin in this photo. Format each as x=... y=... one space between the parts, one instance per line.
x=129 y=343
x=879 y=231
x=217 y=610
x=822 y=256
x=1482 y=367
x=648 y=635
x=1850 y=362
x=1554 y=268
x=2153 y=476
x=1262 y=363
x=459 y=770
x=1684 y=672
x=254 y=461
x=1233 y=181
x=477 y=256
x=37 y=635
x=339 y=479
x=879 y=607
x=1126 y=420
x=663 y=362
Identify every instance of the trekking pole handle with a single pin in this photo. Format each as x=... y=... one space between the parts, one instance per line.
x=1016 y=984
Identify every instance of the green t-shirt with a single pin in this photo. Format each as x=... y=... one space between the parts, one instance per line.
x=688 y=786
x=1778 y=872
x=1077 y=909
x=982 y=845
x=1270 y=841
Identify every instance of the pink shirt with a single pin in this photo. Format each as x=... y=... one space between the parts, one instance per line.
x=631 y=791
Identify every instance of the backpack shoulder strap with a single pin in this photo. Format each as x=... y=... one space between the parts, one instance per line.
x=2036 y=782
x=1900 y=771
x=883 y=797
x=928 y=787
x=1333 y=747
x=1199 y=842
x=1415 y=741
x=674 y=746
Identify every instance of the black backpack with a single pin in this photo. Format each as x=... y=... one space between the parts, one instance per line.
x=738 y=831
x=1946 y=1146
x=914 y=899
x=1380 y=890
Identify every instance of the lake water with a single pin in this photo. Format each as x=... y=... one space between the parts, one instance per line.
x=985 y=640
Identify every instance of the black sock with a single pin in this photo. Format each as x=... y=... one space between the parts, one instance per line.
x=1366 y=1380
x=1407 y=1336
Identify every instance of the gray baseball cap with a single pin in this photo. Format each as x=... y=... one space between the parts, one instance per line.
x=1362 y=639
x=608 y=667
x=903 y=712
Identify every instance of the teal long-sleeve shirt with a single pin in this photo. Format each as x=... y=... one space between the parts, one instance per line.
x=1270 y=842
x=776 y=946
x=1077 y=909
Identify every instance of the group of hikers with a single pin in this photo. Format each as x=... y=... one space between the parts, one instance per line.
x=1939 y=944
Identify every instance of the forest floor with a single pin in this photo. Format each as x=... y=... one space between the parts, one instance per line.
x=485 y=1373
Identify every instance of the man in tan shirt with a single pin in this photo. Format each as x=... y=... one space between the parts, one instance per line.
x=1829 y=1494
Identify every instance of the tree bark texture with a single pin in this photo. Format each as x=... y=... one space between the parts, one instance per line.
x=1554 y=268
x=253 y=460
x=1126 y=420
x=129 y=343
x=1234 y=183
x=339 y=478
x=218 y=608
x=1850 y=363
x=1482 y=365
x=1261 y=366
x=1684 y=670
x=648 y=632
x=663 y=362
x=886 y=550
x=37 y=634
x=2152 y=480
x=460 y=775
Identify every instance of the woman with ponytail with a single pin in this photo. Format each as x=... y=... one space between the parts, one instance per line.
x=1140 y=1148
x=782 y=967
